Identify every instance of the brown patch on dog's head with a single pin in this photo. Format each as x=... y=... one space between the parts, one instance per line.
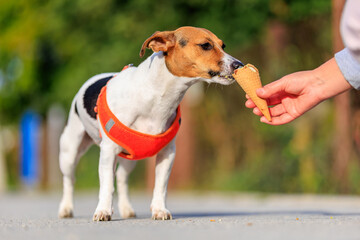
x=189 y=51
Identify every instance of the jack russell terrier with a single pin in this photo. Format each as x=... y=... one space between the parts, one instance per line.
x=136 y=115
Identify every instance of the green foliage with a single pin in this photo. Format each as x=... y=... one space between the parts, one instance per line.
x=47 y=49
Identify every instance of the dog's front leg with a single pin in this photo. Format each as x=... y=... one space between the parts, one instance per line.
x=108 y=151
x=164 y=162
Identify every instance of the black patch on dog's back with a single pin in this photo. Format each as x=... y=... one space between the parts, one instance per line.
x=91 y=95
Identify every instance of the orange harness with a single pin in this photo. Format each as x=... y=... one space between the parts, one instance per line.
x=138 y=145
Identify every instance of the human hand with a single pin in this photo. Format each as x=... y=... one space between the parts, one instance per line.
x=290 y=96
x=297 y=93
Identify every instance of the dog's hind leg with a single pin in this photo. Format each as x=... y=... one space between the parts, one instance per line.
x=73 y=143
x=122 y=174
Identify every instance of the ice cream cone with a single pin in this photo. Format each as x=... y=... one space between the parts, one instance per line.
x=249 y=79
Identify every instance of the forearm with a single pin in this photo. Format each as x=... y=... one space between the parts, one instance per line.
x=329 y=80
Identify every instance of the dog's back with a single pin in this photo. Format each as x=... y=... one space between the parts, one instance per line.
x=83 y=105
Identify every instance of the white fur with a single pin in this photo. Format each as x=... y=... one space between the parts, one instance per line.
x=145 y=99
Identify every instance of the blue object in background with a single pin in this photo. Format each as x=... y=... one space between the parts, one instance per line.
x=30 y=148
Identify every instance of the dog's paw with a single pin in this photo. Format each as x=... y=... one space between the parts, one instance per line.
x=102 y=215
x=65 y=211
x=127 y=212
x=161 y=214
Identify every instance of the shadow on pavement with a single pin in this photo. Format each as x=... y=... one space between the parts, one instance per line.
x=230 y=214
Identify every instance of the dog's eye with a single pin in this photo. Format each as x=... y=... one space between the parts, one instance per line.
x=206 y=46
x=223 y=46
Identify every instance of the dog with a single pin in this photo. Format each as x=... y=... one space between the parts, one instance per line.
x=145 y=100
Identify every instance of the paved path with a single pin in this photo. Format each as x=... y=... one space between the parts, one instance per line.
x=205 y=216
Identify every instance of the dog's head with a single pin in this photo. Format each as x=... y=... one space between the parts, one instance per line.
x=194 y=52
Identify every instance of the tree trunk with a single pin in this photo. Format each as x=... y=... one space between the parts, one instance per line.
x=343 y=142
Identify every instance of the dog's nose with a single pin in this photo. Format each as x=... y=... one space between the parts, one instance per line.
x=236 y=64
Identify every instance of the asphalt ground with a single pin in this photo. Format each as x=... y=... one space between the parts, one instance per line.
x=196 y=216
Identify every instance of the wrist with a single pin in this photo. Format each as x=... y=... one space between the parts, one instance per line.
x=329 y=80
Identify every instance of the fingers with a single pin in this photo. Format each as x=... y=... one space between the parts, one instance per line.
x=278 y=113
x=278 y=110
x=273 y=93
x=273 y=100
x=250 y=104
x=280 y=120
x=270 y=102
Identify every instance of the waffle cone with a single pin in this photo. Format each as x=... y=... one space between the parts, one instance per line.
x=249 y=79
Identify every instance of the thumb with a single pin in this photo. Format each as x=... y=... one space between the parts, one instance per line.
x=271 y=89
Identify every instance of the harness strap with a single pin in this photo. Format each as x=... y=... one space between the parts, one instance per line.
x=137 y=145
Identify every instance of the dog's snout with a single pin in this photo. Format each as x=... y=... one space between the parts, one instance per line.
x=236 y=64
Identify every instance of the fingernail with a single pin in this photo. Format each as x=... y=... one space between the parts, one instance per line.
x=260 y=91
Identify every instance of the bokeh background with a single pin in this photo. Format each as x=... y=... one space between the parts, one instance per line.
x=48 y=49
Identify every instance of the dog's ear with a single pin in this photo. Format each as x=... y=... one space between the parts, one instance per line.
x=159 y=41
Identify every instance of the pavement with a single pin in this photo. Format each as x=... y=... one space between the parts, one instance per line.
x=196 y=216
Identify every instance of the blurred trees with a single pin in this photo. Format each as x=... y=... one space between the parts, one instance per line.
x=49 y=48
